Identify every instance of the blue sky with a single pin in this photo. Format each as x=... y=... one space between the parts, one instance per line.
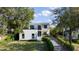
x=42 y=14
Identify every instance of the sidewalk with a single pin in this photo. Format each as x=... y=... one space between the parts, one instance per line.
x=57 y=46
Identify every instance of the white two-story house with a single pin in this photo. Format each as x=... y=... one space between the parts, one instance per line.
x=35 y=31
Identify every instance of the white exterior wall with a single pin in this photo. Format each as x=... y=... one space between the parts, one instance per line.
x=28 y=34
x=46 y=29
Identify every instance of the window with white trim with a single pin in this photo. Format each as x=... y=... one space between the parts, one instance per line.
x=23 y=36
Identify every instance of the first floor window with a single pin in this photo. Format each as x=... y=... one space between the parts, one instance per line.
x=23 y=36
x=33 y=36
x=39 y=33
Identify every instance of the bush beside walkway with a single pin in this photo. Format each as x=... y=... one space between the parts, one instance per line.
x=65 y=43
x=48 y=42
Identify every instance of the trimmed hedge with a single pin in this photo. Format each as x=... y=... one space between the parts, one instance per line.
x=48 y=42
x=65 y=44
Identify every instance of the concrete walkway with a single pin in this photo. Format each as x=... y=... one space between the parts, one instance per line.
x=57 y=46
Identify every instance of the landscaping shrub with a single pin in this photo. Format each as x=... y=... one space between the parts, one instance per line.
x=48 y=42
x=65 y=44
x=9 y=38
x=52 y=32
x=46 y=36
x=76 y=41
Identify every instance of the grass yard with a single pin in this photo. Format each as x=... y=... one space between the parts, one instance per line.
x=23 y=46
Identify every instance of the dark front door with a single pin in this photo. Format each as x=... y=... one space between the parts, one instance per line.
x=16 y=36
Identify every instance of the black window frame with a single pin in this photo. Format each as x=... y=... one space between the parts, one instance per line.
x=33 y=35
x=23 y=35
x=39 y=33
x=39 y=27
x=32 y=27
x=45 y=26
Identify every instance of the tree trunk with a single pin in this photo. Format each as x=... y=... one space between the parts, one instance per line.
x=70 y=37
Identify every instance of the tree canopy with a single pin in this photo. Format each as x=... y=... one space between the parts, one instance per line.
x=67 y=17
x=16 y=18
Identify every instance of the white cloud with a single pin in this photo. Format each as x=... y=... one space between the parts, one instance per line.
x=46 y=13
x=43 y=13
x=35 y=15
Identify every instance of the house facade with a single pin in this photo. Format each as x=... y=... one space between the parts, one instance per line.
x=74 y=35
x=35 y=31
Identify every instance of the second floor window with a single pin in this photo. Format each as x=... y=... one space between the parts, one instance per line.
x=45 y=26
x=39 y=27
x=31 y=26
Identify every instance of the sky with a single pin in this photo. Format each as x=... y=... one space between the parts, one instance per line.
x=42 y=14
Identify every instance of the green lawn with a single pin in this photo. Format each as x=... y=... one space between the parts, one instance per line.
x=23 y=46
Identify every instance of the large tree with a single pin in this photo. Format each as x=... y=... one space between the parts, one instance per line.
x=16 y=18
x=67 y=17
